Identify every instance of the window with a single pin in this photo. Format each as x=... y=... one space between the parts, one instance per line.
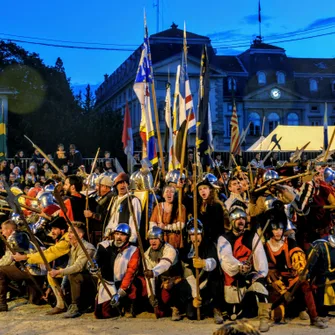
x=314 y=123
x=313 y=85
x=314 y=109
x=255 y=124
x=273 y=119
x=231 y=84
x=292 y=119
x=280 y=78
x=261 y=78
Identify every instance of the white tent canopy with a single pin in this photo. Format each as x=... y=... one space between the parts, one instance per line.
x=293 y=137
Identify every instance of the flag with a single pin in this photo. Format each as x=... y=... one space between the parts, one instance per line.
x=259 y=11
x=203 y=128
x=144 y=78
x=325 y=129
x=3 y=144
x=186 y=100
x=235 y=149
x=169 y=130
x=210 y=128
x=127 y=139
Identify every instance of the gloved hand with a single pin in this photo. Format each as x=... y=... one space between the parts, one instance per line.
x=279 y=286
x=153 y=301
x=115 y=300
x=197 y=302
x=93 y=268
x=245 y=268
x=149 y=274
x=199 y=263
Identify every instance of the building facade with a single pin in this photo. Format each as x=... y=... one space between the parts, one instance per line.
x=267 y=85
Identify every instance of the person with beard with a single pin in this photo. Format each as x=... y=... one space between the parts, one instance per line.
x=77 y=273
x=99 y=218
x=286 y=264
x=75 y=158
x=166 y=216
x=119 y=208
x=56 y=254
x=211 y=290
x=165 y=273
x=211 y=211
x=242 y=276
x=75 y=202
x=118 y=262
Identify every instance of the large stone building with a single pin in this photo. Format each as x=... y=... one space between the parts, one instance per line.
x=266 y=84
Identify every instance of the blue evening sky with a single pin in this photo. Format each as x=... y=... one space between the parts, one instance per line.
x=227 y=23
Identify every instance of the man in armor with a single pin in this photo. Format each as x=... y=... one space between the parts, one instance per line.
x=120 y=211
x=286 y=265
x=118 y=261
x=9 y=269
x=210 y=280
x=242 y=274
x=99 y=218
x=165 y=273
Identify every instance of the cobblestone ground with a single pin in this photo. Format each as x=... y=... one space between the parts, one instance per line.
x=25 y=319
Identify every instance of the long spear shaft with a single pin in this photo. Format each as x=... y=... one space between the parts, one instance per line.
x=88 y=180
x=196 y=247
x=46 y=157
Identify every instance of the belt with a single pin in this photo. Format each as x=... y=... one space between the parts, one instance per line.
x=171 y=231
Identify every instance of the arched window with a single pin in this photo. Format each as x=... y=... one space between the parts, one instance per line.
x=261 y=78
x=231 y=84
x=255 y=124
x=280 y=78
x=292 y=119
x=273 y=119
x=313 y=85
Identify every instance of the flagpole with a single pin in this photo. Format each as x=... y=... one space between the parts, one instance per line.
x=154 y=99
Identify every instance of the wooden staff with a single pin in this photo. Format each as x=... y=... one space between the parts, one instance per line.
x=251 y=177
x=88 y=181
x=330 y=144
x=14 y=204
x=282 y=181
x=22 y=265
x=80 y=242
x=147 y=214
x=195 y=220
x=46 y=157
x=140 y=246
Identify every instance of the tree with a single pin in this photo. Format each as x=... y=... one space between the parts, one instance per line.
x=59 y=65
x=89 y=99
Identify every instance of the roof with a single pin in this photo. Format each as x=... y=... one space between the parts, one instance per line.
x=265 y=46
x=288 y=142
x=312 y=65
x=228 y=63
x=177 y=33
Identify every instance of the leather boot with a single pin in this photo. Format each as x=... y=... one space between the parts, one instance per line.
x=3 y=293
x=264 y=310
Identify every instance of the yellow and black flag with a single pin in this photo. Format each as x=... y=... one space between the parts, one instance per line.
x=203 y=144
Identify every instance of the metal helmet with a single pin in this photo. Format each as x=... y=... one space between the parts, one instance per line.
x=45 y=198
x=110 y=174
x=156 y=232
x=16 y=218
x=146 y=164
x=141 y=180
x=123 y=228
x=277 y=225
x=90 y=180
x=212 y=180
x=269 y=175
x=272 y=202
x=190 y=227
x=329 y=174
x=173 y=176
x=237 y=213
x=49 y=188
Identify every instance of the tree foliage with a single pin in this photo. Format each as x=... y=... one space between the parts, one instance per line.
x=45 y=108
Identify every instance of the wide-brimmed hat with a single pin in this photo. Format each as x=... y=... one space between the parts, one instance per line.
x=120 y=178
x=59 y=222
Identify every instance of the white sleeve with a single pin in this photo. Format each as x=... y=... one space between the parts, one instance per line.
x=210 y=264
x=229 y=263
x=169 y=258
x=137 y=212
x=259 y=257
